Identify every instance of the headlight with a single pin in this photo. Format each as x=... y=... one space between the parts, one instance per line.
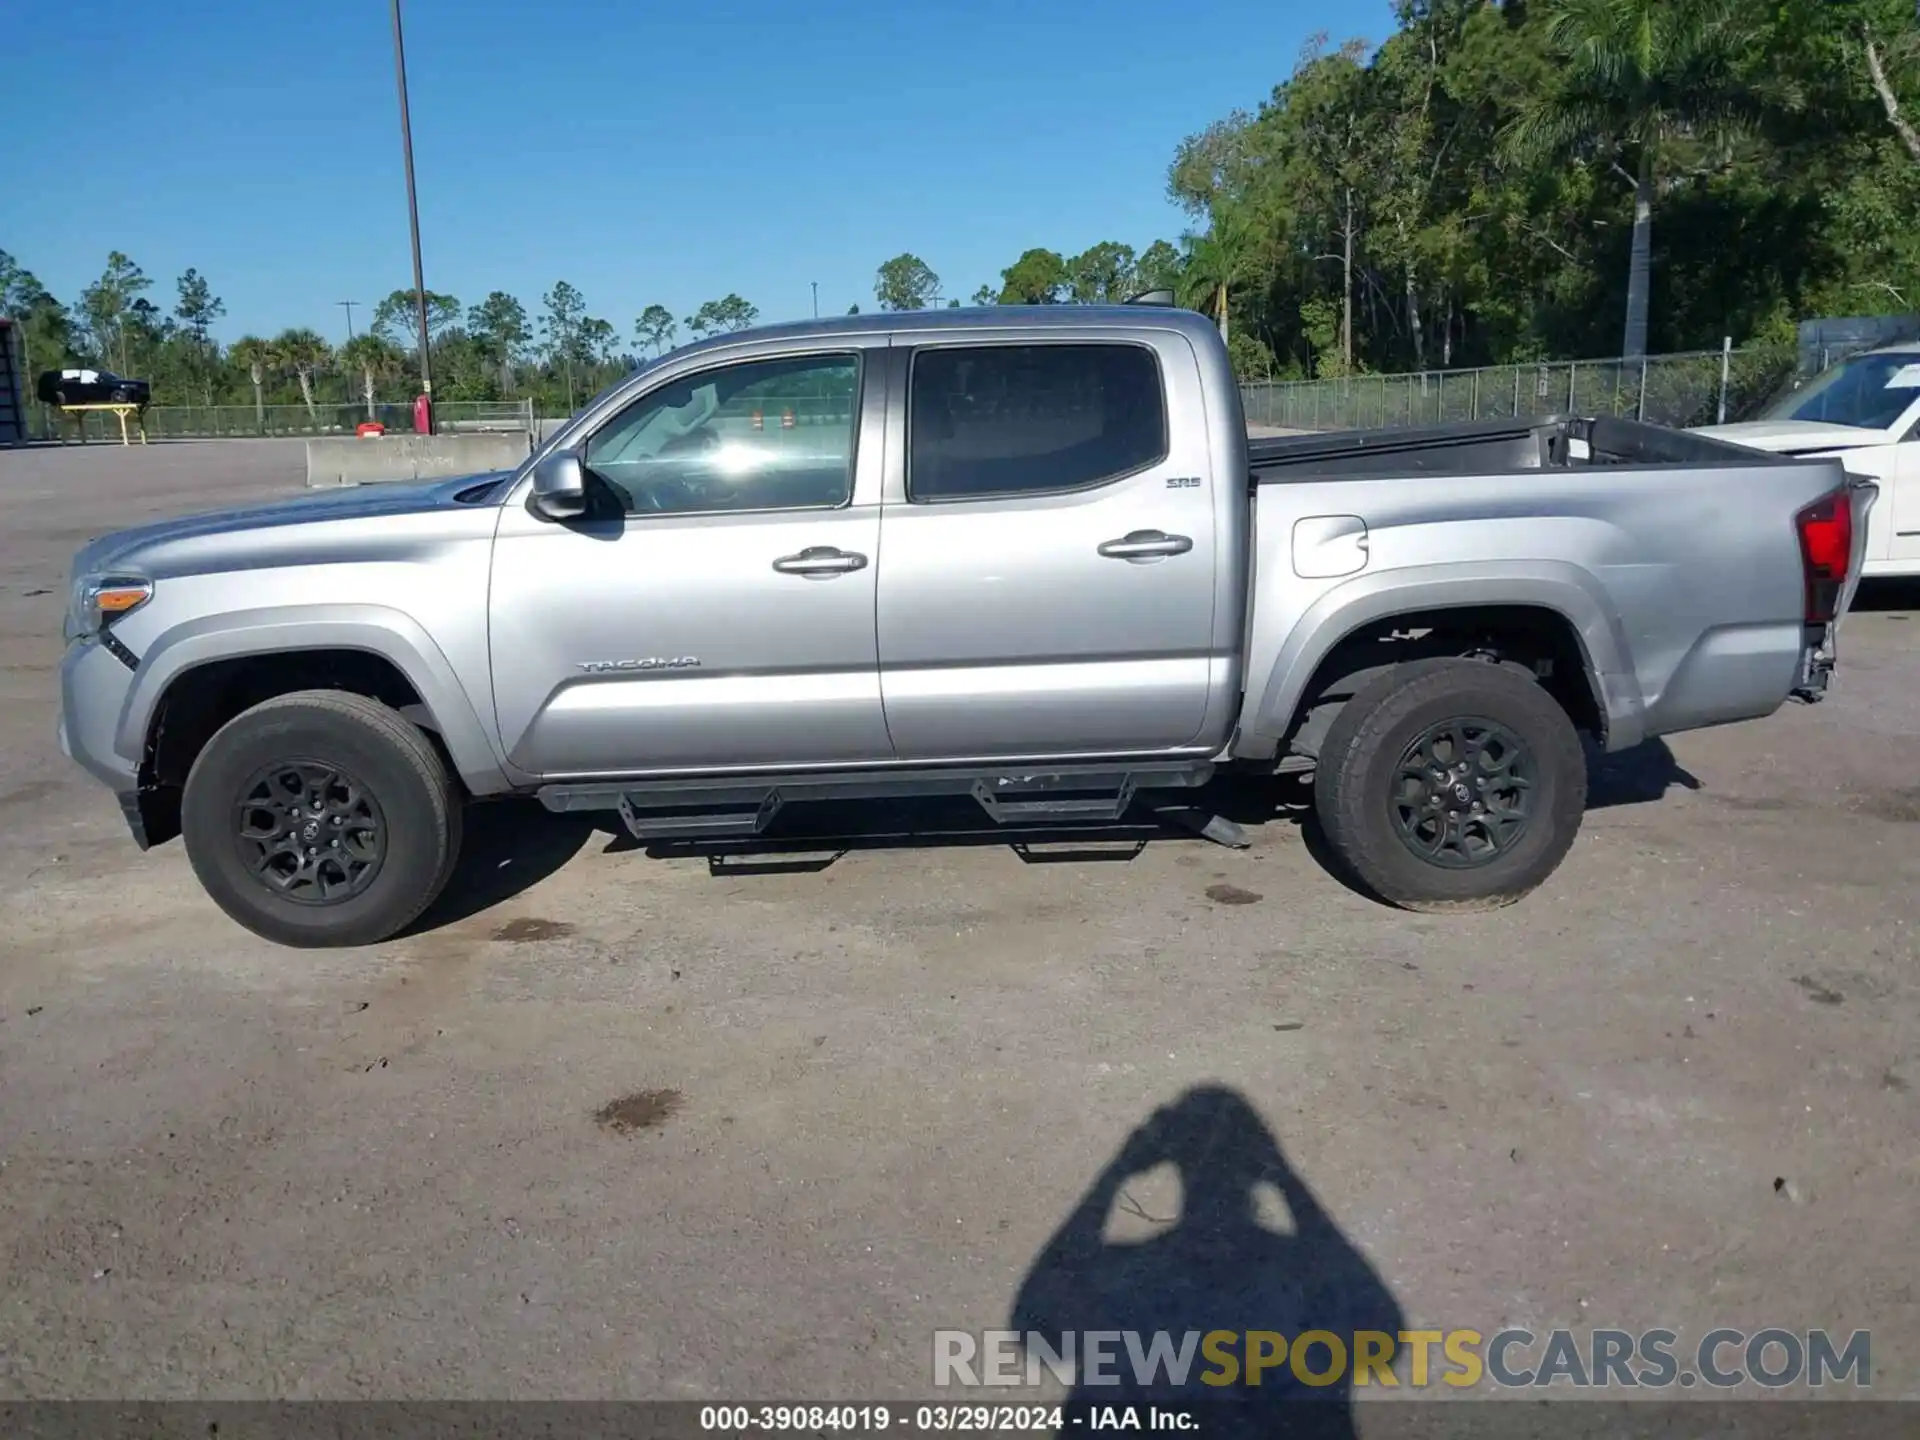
x=99 y=600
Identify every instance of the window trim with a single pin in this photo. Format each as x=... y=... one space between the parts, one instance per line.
x=692 y=377
x=1001 y=343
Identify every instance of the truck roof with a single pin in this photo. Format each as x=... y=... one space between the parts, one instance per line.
x=979 y=317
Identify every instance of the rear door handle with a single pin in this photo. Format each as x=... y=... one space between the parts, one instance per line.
x=1146 y=545
x=820 y=562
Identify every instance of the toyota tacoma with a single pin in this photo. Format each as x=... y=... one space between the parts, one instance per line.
x=1024 y=554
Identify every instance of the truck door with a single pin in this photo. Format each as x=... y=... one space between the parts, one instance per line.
x=1048 y=550
x=714 y=609
x=1900 y=494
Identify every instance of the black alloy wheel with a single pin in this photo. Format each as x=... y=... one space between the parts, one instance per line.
x=1463 y=794
x=321 y=818
x=1450 y=784
x=310 y=832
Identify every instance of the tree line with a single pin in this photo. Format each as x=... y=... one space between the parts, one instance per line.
x=1503 y=181
x=1574 y=179
x=1498 y=181
x=556 y=356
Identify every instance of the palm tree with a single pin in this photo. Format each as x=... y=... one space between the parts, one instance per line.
x=1646 y=86
x=1211 y=265
x=303 y=351
x=257 y=355
x=376 y=360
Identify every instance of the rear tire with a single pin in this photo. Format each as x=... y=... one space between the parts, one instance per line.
x=321 y=818
x=1414 y=752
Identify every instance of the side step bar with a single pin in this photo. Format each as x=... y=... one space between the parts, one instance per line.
x=733 y=808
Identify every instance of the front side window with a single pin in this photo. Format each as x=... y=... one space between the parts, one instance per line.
x=760 y=435
x=991 y=420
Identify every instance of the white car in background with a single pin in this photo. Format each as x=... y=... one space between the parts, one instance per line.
x=1866 y=411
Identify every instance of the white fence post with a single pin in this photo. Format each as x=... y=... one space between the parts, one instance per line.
x=1726 y=368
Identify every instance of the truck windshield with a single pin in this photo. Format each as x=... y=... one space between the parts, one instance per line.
x=1868 y=391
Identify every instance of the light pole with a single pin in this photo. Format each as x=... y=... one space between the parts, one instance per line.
x=816 y=299
x=348 y=305
x=413 y=216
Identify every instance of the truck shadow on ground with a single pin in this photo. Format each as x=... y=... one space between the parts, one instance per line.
x=507 y=846
x=1639 y=776
x=512 y=845
x=1896 y=596
x=1246 y=1247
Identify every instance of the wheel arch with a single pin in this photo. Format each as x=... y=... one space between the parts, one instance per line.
x=1558 y=603
x=199 y=676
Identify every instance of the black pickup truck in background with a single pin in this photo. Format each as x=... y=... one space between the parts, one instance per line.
x=91 y=387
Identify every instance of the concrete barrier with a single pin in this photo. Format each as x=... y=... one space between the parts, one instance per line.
x=545 y=428
x=389 y=458
x=483 y=427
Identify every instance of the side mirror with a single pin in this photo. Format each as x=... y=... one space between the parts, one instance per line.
x=560 y=486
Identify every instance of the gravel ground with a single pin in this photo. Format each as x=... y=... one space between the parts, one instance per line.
x=865 y=1085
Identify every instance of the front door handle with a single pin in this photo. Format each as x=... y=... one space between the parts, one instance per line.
x=820 y=562
x=1146 y=545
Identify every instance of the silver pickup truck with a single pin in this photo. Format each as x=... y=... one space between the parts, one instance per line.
x=1028 y=555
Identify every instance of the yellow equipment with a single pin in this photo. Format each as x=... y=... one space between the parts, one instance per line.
x=118 y=411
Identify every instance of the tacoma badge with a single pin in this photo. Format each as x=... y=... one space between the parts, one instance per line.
x=652 y=662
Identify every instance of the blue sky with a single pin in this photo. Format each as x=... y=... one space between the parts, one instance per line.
x=644 y=151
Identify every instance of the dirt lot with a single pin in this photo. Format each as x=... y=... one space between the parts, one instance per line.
x=866 y=1085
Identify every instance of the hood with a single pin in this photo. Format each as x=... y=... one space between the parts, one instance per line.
x=1796 y=437
x=136 y=547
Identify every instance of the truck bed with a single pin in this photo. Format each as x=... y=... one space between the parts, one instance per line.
x=1484 y=447
x=1673 y=557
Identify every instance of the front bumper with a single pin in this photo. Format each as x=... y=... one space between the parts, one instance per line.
x=94 y=686
x=93 y=691
x=132 y=808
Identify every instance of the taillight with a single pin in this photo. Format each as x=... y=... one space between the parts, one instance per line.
x=1826 y=549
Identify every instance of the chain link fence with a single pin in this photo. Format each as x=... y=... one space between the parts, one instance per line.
x=215 y=422
x=1678 y=390
x=1702 y=388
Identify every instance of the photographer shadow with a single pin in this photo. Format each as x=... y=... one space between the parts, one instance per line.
x=1250 y=1250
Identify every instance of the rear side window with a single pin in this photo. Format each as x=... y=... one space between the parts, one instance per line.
x=987 y=420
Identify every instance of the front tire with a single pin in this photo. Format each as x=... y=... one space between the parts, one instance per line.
x=321 y=818
x=1451 y=785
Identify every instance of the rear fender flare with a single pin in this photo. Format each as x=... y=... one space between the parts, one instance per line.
x=1565 y=589
x=375 y=629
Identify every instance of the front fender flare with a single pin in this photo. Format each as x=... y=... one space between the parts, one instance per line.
x=377 y=629
x=1569 y=591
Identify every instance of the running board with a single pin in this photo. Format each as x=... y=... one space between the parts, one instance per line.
x=1010 y=803
x=739 y=808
